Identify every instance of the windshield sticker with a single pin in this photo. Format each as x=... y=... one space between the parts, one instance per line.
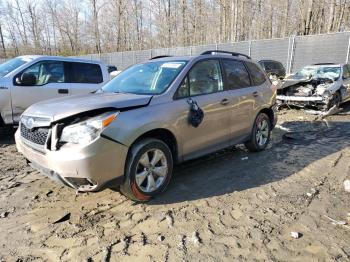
x=171 y=65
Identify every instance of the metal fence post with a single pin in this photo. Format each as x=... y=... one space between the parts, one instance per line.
x=291 y=57
x=250 y=48
x=348 y=53
x=122 y=61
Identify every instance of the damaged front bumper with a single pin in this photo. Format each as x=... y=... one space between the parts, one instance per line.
x=85 y=168
x=302 y=100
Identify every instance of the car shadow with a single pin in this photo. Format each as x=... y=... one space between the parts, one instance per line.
x=236 y=169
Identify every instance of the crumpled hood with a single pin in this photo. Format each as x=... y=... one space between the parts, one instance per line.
x=314 y=81
x=290 y=82
x=64 y=107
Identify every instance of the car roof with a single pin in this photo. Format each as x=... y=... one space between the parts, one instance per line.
x=61 y=58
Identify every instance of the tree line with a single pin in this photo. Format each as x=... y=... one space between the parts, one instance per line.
x=69 y=27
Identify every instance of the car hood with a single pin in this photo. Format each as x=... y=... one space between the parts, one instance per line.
x=64 y=107
x=292 y=82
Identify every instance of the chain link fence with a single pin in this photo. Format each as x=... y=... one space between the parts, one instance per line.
x=293 y=52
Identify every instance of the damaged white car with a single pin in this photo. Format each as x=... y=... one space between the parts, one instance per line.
x=319 y=85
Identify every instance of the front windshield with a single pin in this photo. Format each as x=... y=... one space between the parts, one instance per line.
x=11 y=65
x=331 y=72
x=148 y=78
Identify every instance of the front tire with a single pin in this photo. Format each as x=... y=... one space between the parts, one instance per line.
x=148 y=170
x=261 y=132
x=335 y=101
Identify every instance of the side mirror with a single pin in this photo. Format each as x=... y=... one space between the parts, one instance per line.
x=27 y=79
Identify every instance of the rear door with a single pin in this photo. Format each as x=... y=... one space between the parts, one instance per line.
x=241 y=98
x=204 y=85
x=260 y=93
x=50 y=81
x=84 y=77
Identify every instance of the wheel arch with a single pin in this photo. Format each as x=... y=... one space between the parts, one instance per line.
x=270 y=113
x=163 y=134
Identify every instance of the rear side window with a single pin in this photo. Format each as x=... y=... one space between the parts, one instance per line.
x=236 y=74
x=86 y=73
x=258 y=77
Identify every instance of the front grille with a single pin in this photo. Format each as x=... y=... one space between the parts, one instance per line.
x=36 y=136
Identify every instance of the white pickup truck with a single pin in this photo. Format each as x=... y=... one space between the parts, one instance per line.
x=25 y=80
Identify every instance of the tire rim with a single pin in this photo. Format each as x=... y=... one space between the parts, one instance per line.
x=262 y=132
x=151 y=171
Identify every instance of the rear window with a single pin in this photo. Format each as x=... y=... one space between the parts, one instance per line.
x=85 y=73
x=258 y=76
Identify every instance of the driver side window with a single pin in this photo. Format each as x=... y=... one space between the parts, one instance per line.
x=46 y=72
x=204 y=78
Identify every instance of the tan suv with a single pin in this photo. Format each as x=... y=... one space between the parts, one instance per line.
x=148 y=118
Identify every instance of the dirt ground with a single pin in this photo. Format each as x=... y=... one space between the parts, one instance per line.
x=232 y=205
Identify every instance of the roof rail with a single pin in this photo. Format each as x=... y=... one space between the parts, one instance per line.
x=160 y=56
x=324 y=64
x=209 y=52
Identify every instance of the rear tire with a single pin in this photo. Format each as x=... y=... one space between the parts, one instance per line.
x=148 y=170
x=261 y=132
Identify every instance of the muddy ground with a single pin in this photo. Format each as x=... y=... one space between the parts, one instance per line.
x=232 y=205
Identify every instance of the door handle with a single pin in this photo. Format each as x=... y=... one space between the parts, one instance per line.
x=255 y=94
x=225 y=101
x=63 y=91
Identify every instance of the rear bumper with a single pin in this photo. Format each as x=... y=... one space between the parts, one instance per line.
x=83 y=168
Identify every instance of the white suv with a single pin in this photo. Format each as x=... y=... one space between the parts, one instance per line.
x=26 y=80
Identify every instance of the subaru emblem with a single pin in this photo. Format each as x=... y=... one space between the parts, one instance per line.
x=29 y=123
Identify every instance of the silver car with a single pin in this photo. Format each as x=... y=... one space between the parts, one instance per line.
x=151 y=116
x=320 y=85
x=26 y=80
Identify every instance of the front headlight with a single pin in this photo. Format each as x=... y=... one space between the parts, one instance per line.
x=87 y=131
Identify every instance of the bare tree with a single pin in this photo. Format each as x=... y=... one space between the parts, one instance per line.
x=69 y=27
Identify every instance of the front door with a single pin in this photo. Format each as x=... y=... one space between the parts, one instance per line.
x=49 y=83
x=204 y=85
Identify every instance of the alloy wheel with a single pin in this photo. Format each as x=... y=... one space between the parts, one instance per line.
x=151 y=170
x=262 y=132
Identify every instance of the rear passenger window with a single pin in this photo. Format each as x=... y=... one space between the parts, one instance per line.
x=86 y=73
x=256 y=74
x=236 y=74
